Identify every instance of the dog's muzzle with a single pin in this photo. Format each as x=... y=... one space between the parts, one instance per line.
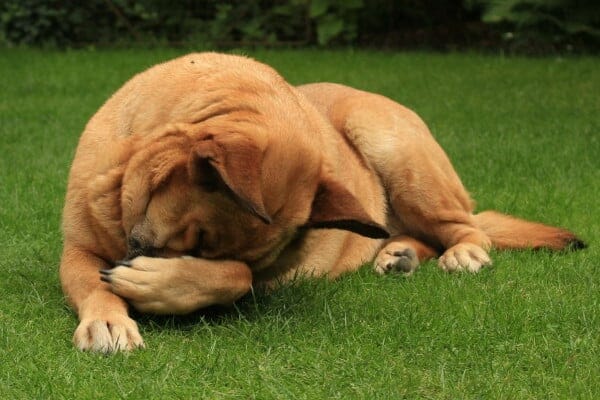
x=137 y=247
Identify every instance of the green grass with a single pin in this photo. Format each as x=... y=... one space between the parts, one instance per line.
x=524 y=134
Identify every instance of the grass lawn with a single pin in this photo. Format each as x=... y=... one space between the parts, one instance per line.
x=524 y=134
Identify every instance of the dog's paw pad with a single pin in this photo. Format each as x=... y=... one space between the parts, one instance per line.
x=404 y=261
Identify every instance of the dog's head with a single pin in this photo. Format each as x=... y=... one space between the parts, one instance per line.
x=237 y=184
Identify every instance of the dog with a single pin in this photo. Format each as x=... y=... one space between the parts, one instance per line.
x=209 y=174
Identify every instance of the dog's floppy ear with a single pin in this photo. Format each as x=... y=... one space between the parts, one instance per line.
x=335 y=207
x=236 y=161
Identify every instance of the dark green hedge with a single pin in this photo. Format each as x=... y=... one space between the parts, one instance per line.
x=546 y=24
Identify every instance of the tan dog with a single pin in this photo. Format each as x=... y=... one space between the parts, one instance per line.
x=210 y=173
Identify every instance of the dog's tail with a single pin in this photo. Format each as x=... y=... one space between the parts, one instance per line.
x=507 y=232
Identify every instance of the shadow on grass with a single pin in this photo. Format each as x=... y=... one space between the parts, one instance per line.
x=298 y=297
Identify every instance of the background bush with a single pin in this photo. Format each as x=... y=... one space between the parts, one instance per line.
x=550 y=22
x=530 y=25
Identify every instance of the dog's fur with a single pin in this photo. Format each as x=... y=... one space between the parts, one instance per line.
x=209 y=173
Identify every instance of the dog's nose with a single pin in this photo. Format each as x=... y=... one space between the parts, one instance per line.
x=134 y=243
x=136 y=247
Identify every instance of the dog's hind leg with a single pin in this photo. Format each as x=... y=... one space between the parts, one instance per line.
x=425 y=194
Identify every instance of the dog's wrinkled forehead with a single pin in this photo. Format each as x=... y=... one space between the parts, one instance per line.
x=194 y=88
x=228 y=114
x=228 y=91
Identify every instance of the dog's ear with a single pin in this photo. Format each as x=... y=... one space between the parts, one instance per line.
x=336 y=207
x=233 y=161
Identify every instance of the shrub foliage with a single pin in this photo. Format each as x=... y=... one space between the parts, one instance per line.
x=396 y=23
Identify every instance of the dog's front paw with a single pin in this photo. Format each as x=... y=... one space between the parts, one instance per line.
x=396 y=258
x=464 y=257
x=108 y=334
x=154 y=285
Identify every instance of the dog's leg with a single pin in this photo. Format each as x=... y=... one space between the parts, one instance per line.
x=104 y=324
x=402 y=254
x=426 y=195
x=438 y=210
x=178 y=285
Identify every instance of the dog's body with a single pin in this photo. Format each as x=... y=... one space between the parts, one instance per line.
x=223 y=173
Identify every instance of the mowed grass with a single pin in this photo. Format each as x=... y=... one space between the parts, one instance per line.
x=524 y=134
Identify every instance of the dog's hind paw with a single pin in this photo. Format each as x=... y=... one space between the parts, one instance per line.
x=464 y=257
x=396 y=259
